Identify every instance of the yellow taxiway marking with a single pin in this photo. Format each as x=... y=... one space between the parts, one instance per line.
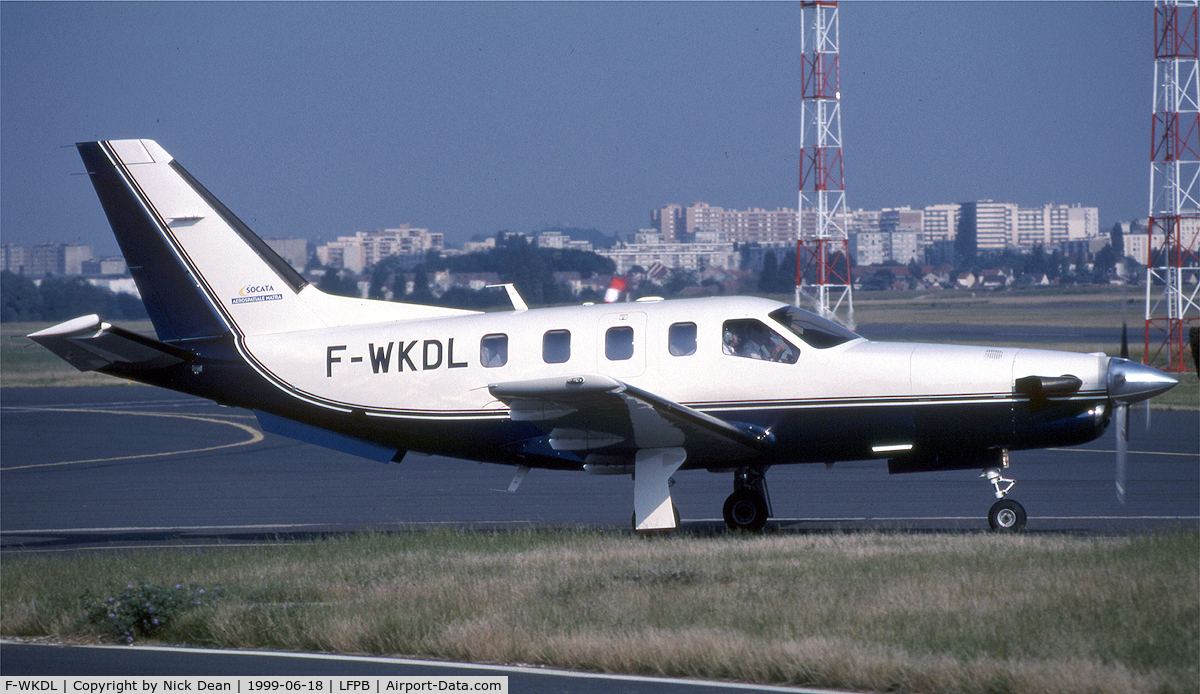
x=255 y=437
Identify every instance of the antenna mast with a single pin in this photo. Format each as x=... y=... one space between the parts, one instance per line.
x=822 y=246
x=1174 y=185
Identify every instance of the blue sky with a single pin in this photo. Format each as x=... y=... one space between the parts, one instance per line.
x=320 y=120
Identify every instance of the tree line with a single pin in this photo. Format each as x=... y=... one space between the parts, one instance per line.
x=59 y=298
x=514 y=259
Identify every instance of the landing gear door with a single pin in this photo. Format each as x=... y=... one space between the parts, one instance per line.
x=623 y=342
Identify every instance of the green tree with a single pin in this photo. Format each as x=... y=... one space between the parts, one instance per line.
x=421 y=293
x=387 y=274
x=338 y=283
x=678 y=279
x=20 y=299
x=785 y=275
x=767 y=279
x=1106 y=261
x=69 y=297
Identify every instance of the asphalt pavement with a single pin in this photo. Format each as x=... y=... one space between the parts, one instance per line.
x=133 y=465
x=114 y=468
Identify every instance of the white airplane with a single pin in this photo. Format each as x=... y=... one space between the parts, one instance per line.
x=733 y=385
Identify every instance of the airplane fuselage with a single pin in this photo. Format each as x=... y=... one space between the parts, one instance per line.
x=409 y=384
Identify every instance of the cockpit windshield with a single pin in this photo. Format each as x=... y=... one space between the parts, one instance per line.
x=814 y=330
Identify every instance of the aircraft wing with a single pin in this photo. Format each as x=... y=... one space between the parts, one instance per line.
x=593 y=412
x=89 y=344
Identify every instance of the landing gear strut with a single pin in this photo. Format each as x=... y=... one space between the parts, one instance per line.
x=749 y=506
x=1006 y=515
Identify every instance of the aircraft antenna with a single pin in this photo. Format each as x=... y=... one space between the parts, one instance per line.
x=823 y=279
x=1174 y=220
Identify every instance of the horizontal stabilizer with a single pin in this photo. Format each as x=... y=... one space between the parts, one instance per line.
x=89 y=344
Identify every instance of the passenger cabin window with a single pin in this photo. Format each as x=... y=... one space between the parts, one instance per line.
x=556 y=346
x=681 y=339
x=618 y=343
x=493 y=350
x=751 y=339
x=814 y=330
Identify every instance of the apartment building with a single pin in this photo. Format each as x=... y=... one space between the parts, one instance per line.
x=557 y=239
x=293 y=250
x=765 y=227
x=365 y=248
x=45 y=259
x=938 y=224
x=650 y=247
x=1051 y=225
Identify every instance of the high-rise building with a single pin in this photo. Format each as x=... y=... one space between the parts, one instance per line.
x=650 y=248
x=698 y=221
x=294 y=251
x=670 y=221
x=766 y=227
x=700 y=218
x=939 y=223
x=1051 y=225
x=365 y=248
x=992 y=225
x=870 y=248
x=46 y=259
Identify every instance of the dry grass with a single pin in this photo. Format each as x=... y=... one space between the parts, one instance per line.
x=873 y=611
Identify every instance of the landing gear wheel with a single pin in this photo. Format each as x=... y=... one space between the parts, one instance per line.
x=1007 y=516
x=745 y=510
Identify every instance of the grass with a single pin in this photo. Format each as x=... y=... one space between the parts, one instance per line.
x=23 y=362
x=876 y=611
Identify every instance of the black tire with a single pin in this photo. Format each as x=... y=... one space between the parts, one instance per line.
x=1007 y=516
x=745 y=510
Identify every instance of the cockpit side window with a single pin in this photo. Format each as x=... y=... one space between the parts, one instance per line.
x=814 y=330
x=751 y=339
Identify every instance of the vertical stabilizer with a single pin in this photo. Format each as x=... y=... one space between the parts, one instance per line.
x=199 y=269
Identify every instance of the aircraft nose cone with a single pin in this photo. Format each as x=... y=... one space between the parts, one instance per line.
x=1131 y=382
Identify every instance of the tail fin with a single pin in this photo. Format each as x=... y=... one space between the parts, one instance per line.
x=200 y=270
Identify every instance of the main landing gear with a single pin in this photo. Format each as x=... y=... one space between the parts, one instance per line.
x=1006 y=515
x=749 y=506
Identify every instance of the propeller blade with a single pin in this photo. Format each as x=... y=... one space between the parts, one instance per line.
x=1124 y=339
x=1122 y=447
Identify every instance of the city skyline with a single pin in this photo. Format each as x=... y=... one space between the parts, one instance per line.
x=322 y=120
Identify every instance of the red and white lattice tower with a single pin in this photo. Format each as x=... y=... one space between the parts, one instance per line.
x=1172 y=263
x=822 y=247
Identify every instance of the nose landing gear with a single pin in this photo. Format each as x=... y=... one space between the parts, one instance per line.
x=1006 y=515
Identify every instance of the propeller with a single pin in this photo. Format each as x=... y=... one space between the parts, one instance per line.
x=1122 y=448
x=1130 y=382
x=1122 y=412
